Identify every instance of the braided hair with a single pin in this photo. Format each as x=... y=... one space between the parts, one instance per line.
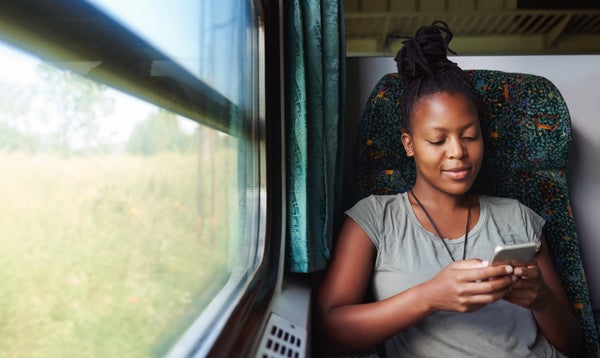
x=425 y=70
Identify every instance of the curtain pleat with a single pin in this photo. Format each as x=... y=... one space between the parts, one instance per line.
x=315 y=81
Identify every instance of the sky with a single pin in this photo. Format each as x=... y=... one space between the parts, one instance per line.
x=19 y=71
x=172 y=26
x=206 y=37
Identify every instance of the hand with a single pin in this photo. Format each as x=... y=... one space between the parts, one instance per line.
x=466 y=286
x=529 y=288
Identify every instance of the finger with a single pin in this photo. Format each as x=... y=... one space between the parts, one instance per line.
x=497 y=284
x=524 y=291
x=483 y=273
x=529 y=272
x=519 y=297
x=491 y=296
x=467 y=264
x=521 y=285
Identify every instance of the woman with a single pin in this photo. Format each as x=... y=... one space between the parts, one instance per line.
x=423 y=250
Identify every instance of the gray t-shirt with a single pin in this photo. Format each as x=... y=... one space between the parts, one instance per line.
x=407 y=255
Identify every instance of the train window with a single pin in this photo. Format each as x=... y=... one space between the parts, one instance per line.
x=133 y=177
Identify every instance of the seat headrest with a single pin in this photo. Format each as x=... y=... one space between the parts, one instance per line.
x=525 y=122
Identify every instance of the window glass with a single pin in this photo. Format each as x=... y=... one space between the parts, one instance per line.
x=125 y=223
x=209 y=38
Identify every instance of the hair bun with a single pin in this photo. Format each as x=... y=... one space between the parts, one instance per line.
x=425 y=53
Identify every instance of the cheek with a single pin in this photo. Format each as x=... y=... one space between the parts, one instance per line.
x=429 y=157
x=476 y=152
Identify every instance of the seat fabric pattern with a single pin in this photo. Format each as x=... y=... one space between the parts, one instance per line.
x=527 y=134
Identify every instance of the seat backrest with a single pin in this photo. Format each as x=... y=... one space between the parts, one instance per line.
x=527 y=133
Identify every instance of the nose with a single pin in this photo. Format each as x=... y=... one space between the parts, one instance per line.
x=456 y=149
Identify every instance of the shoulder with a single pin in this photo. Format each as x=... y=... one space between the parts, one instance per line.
x=378 y=202
x=374 y=213
x=509 y=207
x=499 y=203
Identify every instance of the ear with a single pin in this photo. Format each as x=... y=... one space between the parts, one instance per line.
x=408 y=144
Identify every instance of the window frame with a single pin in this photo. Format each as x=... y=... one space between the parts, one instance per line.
x=241 y=332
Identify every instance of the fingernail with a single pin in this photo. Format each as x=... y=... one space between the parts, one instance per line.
x=514 y=278
x=484 y=263
x=509 y=269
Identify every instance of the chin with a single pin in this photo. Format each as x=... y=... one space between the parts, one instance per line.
x=458 y=189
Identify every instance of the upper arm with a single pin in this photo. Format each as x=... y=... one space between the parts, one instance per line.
x=549 y=274
x=350 y=269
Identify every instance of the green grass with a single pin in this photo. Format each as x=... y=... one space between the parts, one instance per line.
x=103 y=256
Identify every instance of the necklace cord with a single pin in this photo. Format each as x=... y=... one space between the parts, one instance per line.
x=438 y=230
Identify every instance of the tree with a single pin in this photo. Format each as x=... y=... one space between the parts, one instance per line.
x=159 y=133
x=12 y=140
x=15 y=99
x=74 y=107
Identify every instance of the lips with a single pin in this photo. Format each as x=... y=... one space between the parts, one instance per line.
x=457 y=173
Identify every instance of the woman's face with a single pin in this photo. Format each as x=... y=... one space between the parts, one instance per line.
x=446 y=143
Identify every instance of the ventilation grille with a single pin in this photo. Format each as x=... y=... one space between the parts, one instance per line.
x=282 y=339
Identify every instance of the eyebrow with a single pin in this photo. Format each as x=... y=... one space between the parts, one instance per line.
x=444 y=129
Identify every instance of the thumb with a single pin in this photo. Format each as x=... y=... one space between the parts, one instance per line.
x=469 y=264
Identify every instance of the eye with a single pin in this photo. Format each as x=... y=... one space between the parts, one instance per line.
x=471 y=138
x=436 y=142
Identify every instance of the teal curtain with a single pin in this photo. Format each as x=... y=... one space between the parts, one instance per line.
x=314 y=98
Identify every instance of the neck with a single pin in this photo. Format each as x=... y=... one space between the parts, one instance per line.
x=438 y=199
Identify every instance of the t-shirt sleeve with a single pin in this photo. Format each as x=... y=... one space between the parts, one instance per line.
x=532 y=222
x=367 y=214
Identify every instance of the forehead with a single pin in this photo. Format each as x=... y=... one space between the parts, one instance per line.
x=443 y=110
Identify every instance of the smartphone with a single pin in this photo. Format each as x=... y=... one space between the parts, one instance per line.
x=514 y=255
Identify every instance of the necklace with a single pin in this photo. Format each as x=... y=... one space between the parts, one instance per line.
x=438 y=231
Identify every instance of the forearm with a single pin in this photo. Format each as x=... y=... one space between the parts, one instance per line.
x=360 y=326
x=560 y=327
x=552 y=309
x=463 y=286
